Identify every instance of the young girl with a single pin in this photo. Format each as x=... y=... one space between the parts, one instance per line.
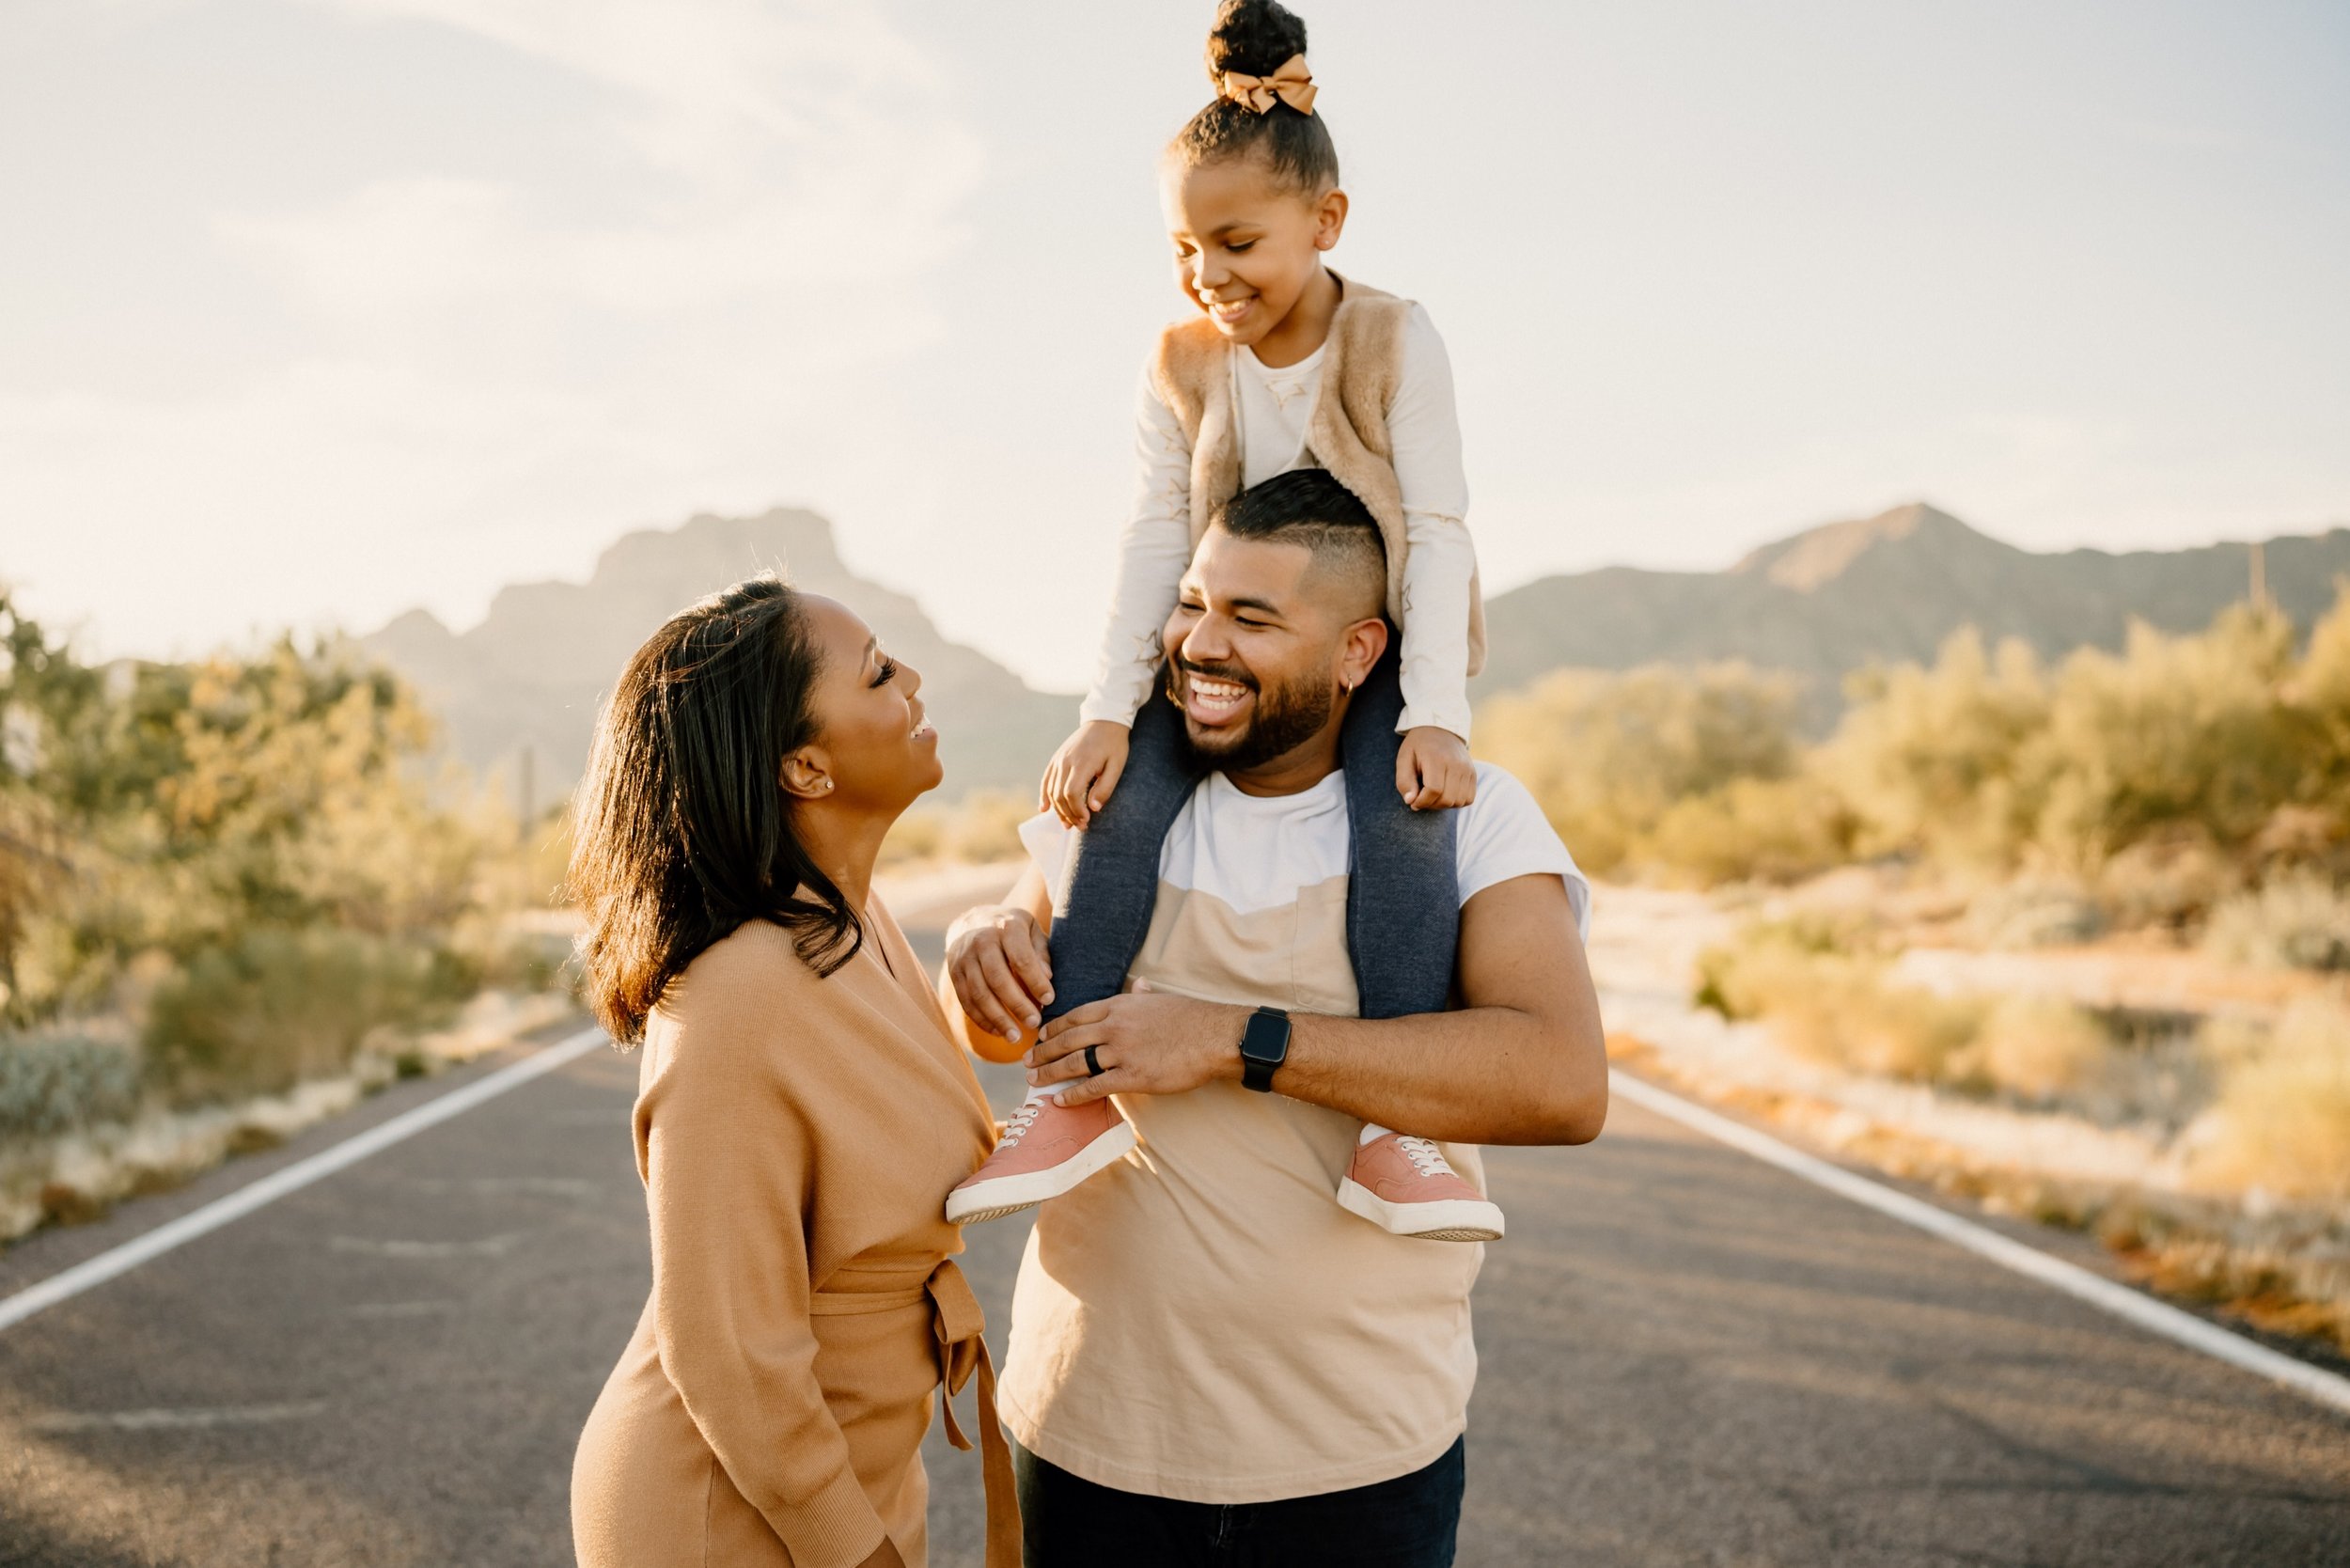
x=1286 y=365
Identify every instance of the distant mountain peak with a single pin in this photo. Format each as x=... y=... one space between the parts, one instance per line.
x=1808 y=560
x=533 y=672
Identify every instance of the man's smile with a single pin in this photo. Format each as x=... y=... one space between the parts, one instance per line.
x=1210 y=700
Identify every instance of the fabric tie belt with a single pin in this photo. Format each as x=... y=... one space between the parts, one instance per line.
x=961 y=1331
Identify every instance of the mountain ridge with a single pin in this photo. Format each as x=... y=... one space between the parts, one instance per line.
x=1820 y=603
x=530 y=675
x=1889 y=588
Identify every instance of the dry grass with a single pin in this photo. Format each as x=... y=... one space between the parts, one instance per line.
x=2296 y=921
x=2281 y=1123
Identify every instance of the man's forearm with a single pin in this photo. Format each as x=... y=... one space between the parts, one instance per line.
x=1488 y=1075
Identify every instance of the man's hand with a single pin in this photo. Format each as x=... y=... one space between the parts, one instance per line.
x=996 y=956
x=1078 y=780
x=1433 y=770
x=1147 y=1042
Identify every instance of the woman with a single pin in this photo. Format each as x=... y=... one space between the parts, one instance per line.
x=801 y=1113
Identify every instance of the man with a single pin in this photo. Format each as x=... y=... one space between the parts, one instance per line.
x=1211 y=1360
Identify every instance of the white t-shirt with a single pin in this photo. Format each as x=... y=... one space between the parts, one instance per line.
x=1258 y=852
x=1274 y=407
x=1202 y=1320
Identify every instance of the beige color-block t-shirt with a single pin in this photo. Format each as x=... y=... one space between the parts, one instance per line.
x=1202 y=1320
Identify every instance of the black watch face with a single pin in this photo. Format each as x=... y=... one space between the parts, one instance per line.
x=1265 y=1040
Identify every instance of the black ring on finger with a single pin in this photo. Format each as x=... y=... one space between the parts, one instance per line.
x=1093 y=1063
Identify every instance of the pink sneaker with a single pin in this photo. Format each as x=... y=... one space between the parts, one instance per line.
x=1046 y=1151
x=1406 y=1185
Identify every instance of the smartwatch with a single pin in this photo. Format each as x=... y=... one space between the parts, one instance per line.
x=1264 y=1045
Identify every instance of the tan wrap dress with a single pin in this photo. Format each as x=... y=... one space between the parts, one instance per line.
x=797 y=1137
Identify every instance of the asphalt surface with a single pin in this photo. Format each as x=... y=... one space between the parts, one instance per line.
x=1689 y=1358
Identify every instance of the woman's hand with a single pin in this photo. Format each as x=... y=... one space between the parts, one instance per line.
x=1433 y=770
x=1147 y=1042
x=1078 y=780
x=885 y=1556
x=998 y=958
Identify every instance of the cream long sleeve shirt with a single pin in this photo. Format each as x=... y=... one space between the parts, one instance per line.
x=1273 y=406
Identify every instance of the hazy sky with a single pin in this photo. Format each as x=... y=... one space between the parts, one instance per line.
x=313 y=311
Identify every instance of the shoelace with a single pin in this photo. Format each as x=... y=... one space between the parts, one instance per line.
x=1022 y=1120
x=1425 y=1157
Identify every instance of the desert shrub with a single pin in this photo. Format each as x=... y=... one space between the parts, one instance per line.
x=2300 y=920
x=1751 y=830
x=1932 y=760
x=919 y=834
x=1823 y=982
x=2170 y=878
x=2174 y=734
x=980 y=827
x=986 y=826
x=2041 y=1048
x=1609 y=756
x=2033 y=912
x=278 y=1007
x=2281 y=1122
x=1770 y=961
x=1852 y=1018
x=60 y=1083
x=181 y=813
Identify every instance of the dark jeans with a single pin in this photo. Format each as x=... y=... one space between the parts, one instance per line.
x=1409 y=1522
x=1402 y=899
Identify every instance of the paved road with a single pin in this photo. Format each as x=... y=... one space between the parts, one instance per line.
x=1689 y=1360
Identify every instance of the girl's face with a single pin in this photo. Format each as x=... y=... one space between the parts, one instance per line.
x=872 y=741
x=1246 y=243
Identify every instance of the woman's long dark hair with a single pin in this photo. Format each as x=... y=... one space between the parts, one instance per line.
x=1256 y=36
x=680 y=831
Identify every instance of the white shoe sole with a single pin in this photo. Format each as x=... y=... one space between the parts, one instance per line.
x=1460 y=1219
x=1008 y=1194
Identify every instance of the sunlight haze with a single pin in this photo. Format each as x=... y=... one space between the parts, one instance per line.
x=314 y=312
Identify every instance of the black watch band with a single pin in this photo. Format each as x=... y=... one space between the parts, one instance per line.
x=1264 y=1045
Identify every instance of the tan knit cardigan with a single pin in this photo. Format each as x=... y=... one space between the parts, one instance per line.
x=797 y=1137
x=1346 y=433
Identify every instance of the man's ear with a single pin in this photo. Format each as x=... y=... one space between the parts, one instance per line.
x=807 y=773
x=1364 y=642
x=1329 y=218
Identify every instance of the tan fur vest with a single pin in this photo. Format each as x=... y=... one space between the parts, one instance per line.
x=1346 y=434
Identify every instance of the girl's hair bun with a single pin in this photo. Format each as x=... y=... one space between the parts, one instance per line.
x=1257 y=37
x=1254 y=37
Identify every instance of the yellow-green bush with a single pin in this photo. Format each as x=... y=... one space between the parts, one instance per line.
x=1932 y=760
x=2163 y=778
x=278 y=1007
x=2041 y=1048
x=2300 y=920
x=982 y=827
x=1828 y=997
x=2281 y=1122
x=55 y=1083
x=1749 y=830
x=239 y=860
x=1609 y=756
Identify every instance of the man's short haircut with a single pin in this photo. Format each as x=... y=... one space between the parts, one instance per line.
x=1309 y=506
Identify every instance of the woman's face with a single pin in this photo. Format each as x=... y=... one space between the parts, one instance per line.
x=878 y=749
x=1246 y=243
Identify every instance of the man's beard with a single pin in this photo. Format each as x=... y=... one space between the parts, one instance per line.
x=1286 y=717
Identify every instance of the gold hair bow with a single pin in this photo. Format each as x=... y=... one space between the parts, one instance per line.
x=1293 y=84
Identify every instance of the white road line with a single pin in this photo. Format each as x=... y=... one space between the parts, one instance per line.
x=487 y=1246
x=293 y=1178
x=176 y=1420
x=2183 y=1328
